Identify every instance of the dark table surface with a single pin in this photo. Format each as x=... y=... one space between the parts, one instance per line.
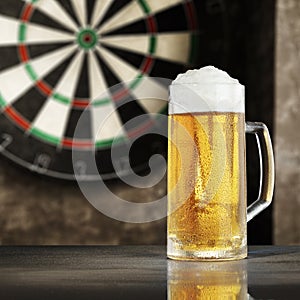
x=143 y=272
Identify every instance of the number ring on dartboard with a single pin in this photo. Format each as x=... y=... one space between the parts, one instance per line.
x=86 y=40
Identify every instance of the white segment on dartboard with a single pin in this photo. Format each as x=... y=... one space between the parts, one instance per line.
x=53 y=118
x=68 y=83
x=10 y=35
x=173 y=47
x=137 y=43
x=151 y=95
x=14 y=82
x=101 y=7
x=55 y=11
x=125 y=16
x=45 y=63
x=35 y=34
x=80 y=8
x=122 y=69
x=98 y=87
x=170 y=46
x=106 y=123
x=158 y=6
x=38 y=34
x=133 y=12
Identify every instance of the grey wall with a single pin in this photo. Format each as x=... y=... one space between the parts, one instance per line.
x=287 y=200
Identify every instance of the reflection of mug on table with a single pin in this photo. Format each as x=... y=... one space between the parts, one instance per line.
x=207 y=200
x=188 y=281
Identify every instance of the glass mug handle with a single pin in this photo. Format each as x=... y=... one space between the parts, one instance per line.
x=267 y=172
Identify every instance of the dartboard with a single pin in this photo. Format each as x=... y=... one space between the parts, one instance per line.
x=65 y=60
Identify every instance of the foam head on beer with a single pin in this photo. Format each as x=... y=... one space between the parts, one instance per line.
x=206 y=90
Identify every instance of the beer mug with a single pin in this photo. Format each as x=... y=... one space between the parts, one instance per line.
x=207 y=205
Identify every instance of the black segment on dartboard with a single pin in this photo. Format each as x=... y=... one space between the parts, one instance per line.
x=29 y=104
x=20 y=141
x=85 y=162
x=11 y=8
x=166 y=69
x=129 y=111
x=82 y=90
x=136 y=27
x=90 y=9
x=105 y=164
x=65 y=163
x=173 y=19
x=66 y=4
x=159 y=147
x=133 y=59
x=11 y=57
x=39 y=50
x=85 y=131
x=54 y=76
x=113 y=9
x=39 y=18
x=111 y=80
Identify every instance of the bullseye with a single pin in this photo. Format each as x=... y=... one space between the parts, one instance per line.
x=87 y=39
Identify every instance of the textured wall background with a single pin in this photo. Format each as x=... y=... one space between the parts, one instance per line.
x=287 y=200
x=36 y=210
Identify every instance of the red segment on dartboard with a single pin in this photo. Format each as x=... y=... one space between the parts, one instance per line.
x=120 y=94
x=16 y=117
x=70 y=143
x=81 y=103
x=152 y=27
x=23 y=53
x=140 y=130
x=44 y=88
x=28 y=10
x=147 y=64
x=191 y=11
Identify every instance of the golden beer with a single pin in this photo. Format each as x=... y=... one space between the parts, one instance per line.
x=209 y=221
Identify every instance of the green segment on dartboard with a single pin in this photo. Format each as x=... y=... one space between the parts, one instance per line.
x=44 y=136
x=2 y=101
x=87 y=39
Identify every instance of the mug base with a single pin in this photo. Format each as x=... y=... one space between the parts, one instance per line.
x=207 y=255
